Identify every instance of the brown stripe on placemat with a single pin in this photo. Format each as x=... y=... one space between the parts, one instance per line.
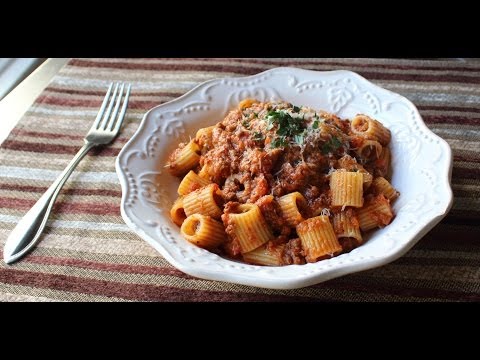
x=65 y=190
x=80 y=259
x=449 y=108
x=360 y=63
x=465 y=172
x=449 y=119
x=349 y=62
x=427 y=261
x=403 y=288
x=253 y=70
x=142 y=292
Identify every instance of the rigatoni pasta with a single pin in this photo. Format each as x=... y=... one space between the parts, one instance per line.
x=318 y=238
x=264 y=255
x=369 y=150
x=347 y=229
x=381 y=186
x=382 y=164
x=377 y=212
x=184 y=159
x=350 y=164
x=206 y=201
x=191 y=182
x=204 y=137
x=203 y=231
x=177 y=212
x=292 y=205
x=275 y=184
x=346 y=188
x=370 y=129
x=248 y=226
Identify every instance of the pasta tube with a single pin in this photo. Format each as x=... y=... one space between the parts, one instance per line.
x=203 y=231
x=318 y=238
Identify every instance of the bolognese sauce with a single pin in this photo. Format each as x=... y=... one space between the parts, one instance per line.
x=262 y=151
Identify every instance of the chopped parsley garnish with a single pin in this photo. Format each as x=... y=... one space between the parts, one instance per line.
x=331 y=145
x=287 y=127
x=255 y=114
x=258 y=136
x=245 y=124
x=315 y=124
x=279 y=142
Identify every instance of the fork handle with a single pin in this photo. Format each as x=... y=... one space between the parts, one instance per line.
x=28 y=230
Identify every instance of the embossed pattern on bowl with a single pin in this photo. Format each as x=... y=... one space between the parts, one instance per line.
x=421 y=162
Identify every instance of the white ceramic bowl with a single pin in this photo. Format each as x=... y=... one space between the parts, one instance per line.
x=422 y=164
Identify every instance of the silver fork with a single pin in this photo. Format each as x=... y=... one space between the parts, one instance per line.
x=105 y=128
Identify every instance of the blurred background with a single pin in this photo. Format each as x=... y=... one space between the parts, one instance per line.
x=21 y=81
x=14 y=70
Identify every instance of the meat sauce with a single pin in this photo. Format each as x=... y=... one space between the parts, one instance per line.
x=268 y=149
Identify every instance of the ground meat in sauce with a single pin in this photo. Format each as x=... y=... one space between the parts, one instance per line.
x=272 y=214
x=293 y=253
x=172 y=166
x=348 y=244
x=231 y=245
x=252 y=160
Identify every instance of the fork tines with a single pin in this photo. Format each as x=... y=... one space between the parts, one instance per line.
x=108 y=120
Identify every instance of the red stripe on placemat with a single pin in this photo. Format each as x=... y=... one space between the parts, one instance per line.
x=348 y=64
x=157 y=270
x=139 y=292
x=465 y=217
x=397 y=289
x=451 y=236
x=152 y=270
x=254 y=70
x=294 y=63
x=433 y=261
x=169 y=67
x=448 y=108
x=451 y=119
x=464 y=158
x=465 y=173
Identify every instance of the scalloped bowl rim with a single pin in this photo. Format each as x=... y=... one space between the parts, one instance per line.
x=294 y=281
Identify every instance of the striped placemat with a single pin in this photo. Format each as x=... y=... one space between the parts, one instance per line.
x=89 y=254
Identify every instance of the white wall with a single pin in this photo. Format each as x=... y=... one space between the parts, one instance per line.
x=14 y=70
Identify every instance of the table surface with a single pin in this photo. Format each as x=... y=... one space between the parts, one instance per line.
x=87 y=253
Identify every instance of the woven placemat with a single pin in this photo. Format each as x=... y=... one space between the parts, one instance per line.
x=89 y=254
